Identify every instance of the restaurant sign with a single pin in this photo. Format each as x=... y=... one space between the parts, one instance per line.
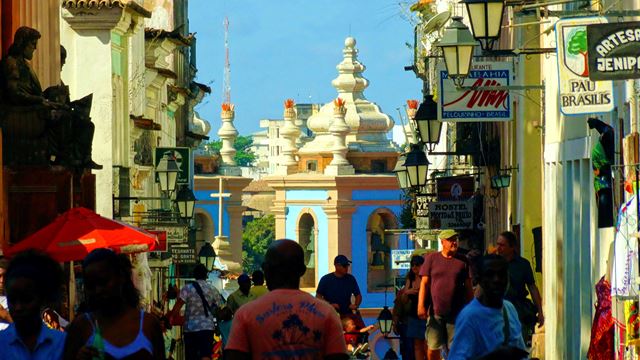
x=174 y=234
x=183 y=254
x=451 y=214
x=614 y=51
x=470 y=104
x=578 y=94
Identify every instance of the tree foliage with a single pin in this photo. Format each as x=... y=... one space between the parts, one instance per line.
x=256 y=238
x=244 y=156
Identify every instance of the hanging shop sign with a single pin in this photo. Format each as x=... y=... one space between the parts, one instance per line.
x=614 y=51
x=578 y=94
x=174 y=234
x=182 y=155
x=161 y=246
x=422 y=211
x=451 y=214
x=455 y=187
x=401 y=259
x=477 y=105
x=182 y=254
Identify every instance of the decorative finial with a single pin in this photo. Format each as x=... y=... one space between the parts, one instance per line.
x=338 y=106
x=228 y=107
x=289 y=111
x=412 y=108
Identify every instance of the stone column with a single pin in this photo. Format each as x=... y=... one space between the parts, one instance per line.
x=290 y=132
x=228 y=135
x=339 y=130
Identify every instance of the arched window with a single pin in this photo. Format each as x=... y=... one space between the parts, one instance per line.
x=379 y=246
x=307 y=236
x=204 y=228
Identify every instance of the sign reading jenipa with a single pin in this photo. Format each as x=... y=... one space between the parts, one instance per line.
x=578 y=94
x=614 y=51
x=451 y=214
x=477 y=105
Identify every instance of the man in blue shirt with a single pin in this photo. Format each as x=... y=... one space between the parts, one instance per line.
x=337 y=287
x=33 y=280
x=489 y=324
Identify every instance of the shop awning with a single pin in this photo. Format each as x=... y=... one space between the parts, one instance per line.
x=79 y=231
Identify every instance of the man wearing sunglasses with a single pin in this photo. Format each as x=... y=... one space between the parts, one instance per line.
x=337 y=287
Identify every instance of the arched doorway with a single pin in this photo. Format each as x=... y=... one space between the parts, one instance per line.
x=204 y=228
x=307 y=236
x=379 y=245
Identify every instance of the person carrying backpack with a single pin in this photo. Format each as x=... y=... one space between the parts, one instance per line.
x=201 y=300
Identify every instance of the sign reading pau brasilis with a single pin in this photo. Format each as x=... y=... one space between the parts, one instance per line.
x=579 y=94
x=614 y=51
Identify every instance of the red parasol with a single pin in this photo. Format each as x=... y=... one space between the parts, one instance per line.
x=77 y=232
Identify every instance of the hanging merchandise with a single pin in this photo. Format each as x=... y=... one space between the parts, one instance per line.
x=632 y=323
x=625 y=258
x=601 y=346
x=141 y=276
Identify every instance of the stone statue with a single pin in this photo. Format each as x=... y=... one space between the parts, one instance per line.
x=41 y=127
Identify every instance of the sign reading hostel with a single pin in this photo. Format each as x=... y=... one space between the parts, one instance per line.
x=578 y=94
x=451 y=214
x=614 y=51
x=477 y=105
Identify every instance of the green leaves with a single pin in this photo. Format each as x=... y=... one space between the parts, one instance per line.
x=256 y=238
x=244 y=156
x=578 y=43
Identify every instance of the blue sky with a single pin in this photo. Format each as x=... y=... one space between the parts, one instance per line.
x=283 y=49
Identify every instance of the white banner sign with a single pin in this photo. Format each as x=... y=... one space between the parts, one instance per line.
x=477 y=105
x=578 y=94
x=451 y=214
x=401 y=259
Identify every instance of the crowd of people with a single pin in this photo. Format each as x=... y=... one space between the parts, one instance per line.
x=452 y=305
x=469 y=306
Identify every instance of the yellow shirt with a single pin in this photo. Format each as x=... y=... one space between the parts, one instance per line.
x=258 y=290
x=237 y=299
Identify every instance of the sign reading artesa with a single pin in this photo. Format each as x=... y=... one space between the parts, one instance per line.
x=578 y=94
x=614 y=51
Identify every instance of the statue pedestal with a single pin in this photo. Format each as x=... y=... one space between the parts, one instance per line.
x=335 y=170
x=35 y=196
x=222 y=246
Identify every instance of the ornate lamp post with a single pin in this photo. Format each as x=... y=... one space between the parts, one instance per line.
x=401 y=173
x=486 y=20
x=186 y=201
x=426 y=120
x=457 y=45
x=167 y=171
x=207 y=256
x=417 y=167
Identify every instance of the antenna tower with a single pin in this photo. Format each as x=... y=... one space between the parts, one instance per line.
x=226 y=86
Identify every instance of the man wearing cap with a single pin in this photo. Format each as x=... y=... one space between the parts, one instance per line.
x=242 y=295
x=337 y=287
x=445 y=288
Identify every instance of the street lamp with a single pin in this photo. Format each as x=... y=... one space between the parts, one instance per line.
x=207 y=256
x=385 y=321
x=427 y=122
x=457 y=45
x=486 y=20
x=417 y=167
x=401 y=173
x=167 y=171
x=500 y=181
x=186 y=201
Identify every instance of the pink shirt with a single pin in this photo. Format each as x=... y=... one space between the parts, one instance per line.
x=287 y=324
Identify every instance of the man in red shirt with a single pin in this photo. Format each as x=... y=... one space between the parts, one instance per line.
x=446 y=287
x=286 y=323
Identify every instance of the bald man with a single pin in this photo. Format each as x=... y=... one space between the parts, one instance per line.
x=286 y=323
